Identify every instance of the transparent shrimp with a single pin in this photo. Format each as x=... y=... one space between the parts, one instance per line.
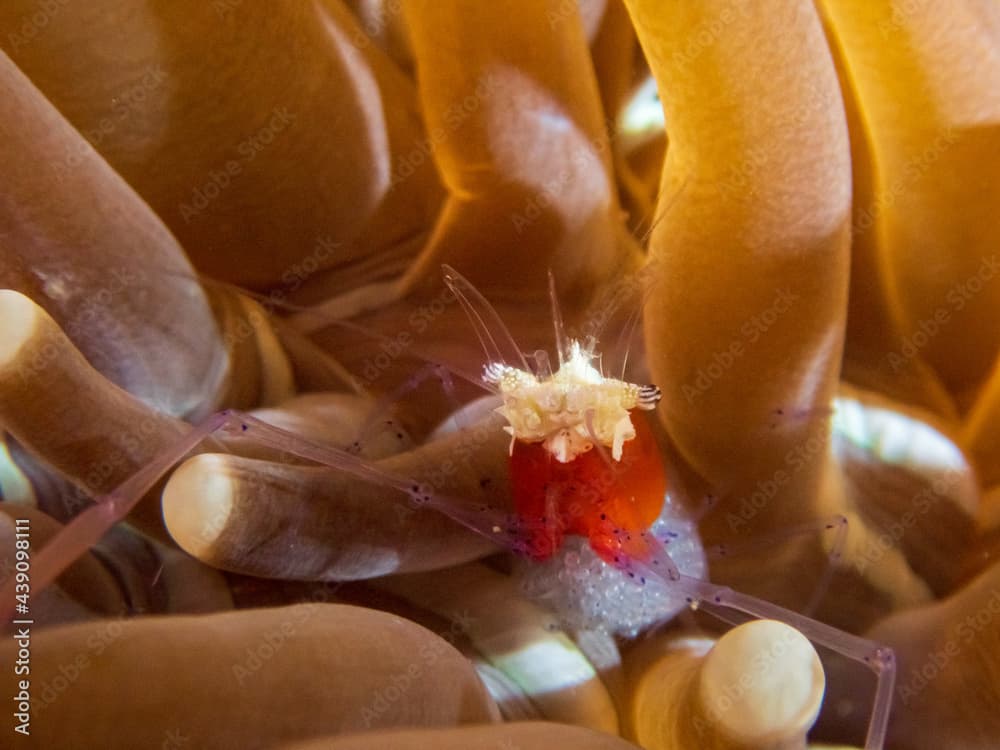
x=590 y=499
x=565 y=485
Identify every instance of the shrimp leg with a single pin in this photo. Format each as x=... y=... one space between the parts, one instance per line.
x=879 y=658
x=838 y=524
x=85 y=530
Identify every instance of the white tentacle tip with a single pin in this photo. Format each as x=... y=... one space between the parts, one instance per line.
x=762 y=684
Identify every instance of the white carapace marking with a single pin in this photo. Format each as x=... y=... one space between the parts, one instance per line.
x=571 y=409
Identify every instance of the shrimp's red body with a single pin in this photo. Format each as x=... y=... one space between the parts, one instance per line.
x=580 y=463
x=609 y=502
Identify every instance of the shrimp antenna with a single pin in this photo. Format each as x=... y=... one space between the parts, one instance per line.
x=628 y=333
x=486 y=322
x=666 y=211
x=557 y=319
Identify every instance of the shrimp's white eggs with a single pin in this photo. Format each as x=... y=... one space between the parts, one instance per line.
x=586 y=593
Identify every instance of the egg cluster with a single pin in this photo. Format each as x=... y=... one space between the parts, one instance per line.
x=587 y=593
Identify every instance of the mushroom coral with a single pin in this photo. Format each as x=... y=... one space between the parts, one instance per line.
x=238 y=204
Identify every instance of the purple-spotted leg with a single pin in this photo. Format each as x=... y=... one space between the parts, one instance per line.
x=838 y=524
x=880 y=659
x=383 y=405
x=80 y=534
